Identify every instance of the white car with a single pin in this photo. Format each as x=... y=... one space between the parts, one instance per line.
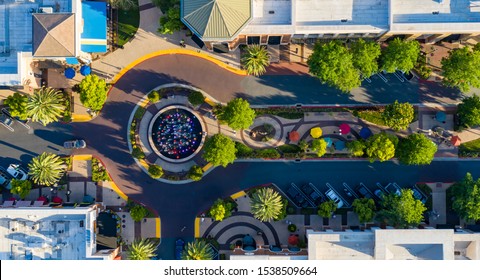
x=17 y=172
x=74 y=144
x=333 y=196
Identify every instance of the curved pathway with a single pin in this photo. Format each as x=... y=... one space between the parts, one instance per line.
x=178 y=205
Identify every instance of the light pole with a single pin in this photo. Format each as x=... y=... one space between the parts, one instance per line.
x=68 y=195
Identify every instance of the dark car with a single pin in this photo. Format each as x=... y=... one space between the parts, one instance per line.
x=179 y=245
x=363 y=191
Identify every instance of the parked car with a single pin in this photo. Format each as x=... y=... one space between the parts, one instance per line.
x=363 y=191
x=297 y=197
x=417 y=194
x=179 y=245
x=6 y=121
x=314 y=195
x=5 y=179
x=379 y=193
x=393 y=188
x=333 y=196
x=74 y=144
x=17 y=172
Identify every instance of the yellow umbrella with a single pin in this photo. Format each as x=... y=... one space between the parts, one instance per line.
x=316 y=132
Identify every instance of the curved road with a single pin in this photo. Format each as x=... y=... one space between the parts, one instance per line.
x=178 y=205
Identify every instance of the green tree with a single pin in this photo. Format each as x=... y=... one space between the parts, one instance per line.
x=416 y=149
x=219 y=150
x=220 y=210
x=195 y=173
x=17 y=105
x=319 y=146
x=93 y=92
x=266 y=204
x=466 y=198
x=356 y=148
x=164 y=5
x=155 y=171
x=398 y=115
x=400 y=55
x=154 y=96
x=469 y=111
x=332 y=63
x=254 y=60
x=381 y=147
x=124 y=4
x=364 y=208
x=461 y=69
x=45 y=105
x=170 y=22
x=138 y=212
x=303 y=145
x=21 y=187
x=365 y=56
x=401 y=210
x=142 y=249
x=197 y=250
x=326 y=209
x=237 y=114
x=196 y=98
x=46 y=169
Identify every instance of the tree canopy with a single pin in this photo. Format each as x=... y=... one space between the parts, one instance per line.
x=466 y=198
x=197 y=250
x=17 y=105
x=356 y=148
x=469 y=111
x=398 y=115
x=142 y=249
x=326 y=209
x=45 y=105
x=170 y=22
x=365 y=56
x=381 y=147
x=364 y=208
x=401 y=211
x=461 y=69
x=195 y=173
x=219 y=150
x=319 y=146
x=93 y=92
x=266 y=204
x=254 y=60
x=332 y=63
x=237 y=114
x=416 y=149
x=21 y=187
x=221 y=210
x=138 y=212
x=400 y=55
x=46 y=169
x=155 y=171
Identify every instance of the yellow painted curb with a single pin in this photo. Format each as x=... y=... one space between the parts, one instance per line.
x=210 y=102
x=179 y=51
x=81 y=118
x=118 y=191
x=144 y=163
x=197 y=228
x=82 y=157
x=208 y=166
x=238 y=194
x=158 y=228
x=144 y=103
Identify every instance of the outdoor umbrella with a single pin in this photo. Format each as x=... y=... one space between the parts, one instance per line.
x=247 y=240
x=441 y=116
x=294 y=136
x=365 y=132
x=43 y=199
x=316 y=132
x=85 y=70
x=88 y=199
x=456 y=141
x=69 y=73
x=293 y=239
x=339 y=145
x=344 y=128
x=328 y=140
x=57 y=199
x=12 y=199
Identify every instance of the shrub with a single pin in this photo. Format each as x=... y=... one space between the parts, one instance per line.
x=292 y=228
x=195 y=173
x=138 y=153
x=268 y=153
x=99 y=173
x=154 y=96
x=196 y=98
x=283 y=214
x=289 y=148
x=138 y=212
x=243 y=150
x=139 y=113
x=155 y=171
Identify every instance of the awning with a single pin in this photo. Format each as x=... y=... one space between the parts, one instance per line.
x=94 y=36
x=72 y=60
x=456 y=141
x=198 y=41
x=441 y=116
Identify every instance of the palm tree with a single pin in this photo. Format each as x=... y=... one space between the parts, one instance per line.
x=266 y=204
x=197 y=250
x=46 y=169
x=255 y=59
x=45 y=105
x=142 y=249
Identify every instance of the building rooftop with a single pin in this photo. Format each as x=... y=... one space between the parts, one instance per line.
x=54 y=34
x=271 y=12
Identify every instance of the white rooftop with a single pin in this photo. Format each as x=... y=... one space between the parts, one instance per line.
x=272 y=12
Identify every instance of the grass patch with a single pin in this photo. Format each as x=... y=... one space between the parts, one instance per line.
x=373 y=116
x=291 y=115
x=139 y=113
x=289 y=148
x=470 y=149
x=128 y=22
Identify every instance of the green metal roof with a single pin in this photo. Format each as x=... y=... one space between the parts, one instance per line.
x=216 y=20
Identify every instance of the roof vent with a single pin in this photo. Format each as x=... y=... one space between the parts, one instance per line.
x=435 y=12
x=271 y=12
x=344 y=20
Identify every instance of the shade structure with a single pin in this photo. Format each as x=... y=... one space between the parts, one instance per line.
x=339 y=145
x=12 y=199
x=365 y=132
x=85 y=70
x=456 y=141
x=57 y=199
x=294 y=136
x=88 y=199
x=43 y=199
x=316 y=132
x=344 y=128
x=441 y=116
x=69 y=73
x=248 y=240
x=328 y=140
x=293 y=240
